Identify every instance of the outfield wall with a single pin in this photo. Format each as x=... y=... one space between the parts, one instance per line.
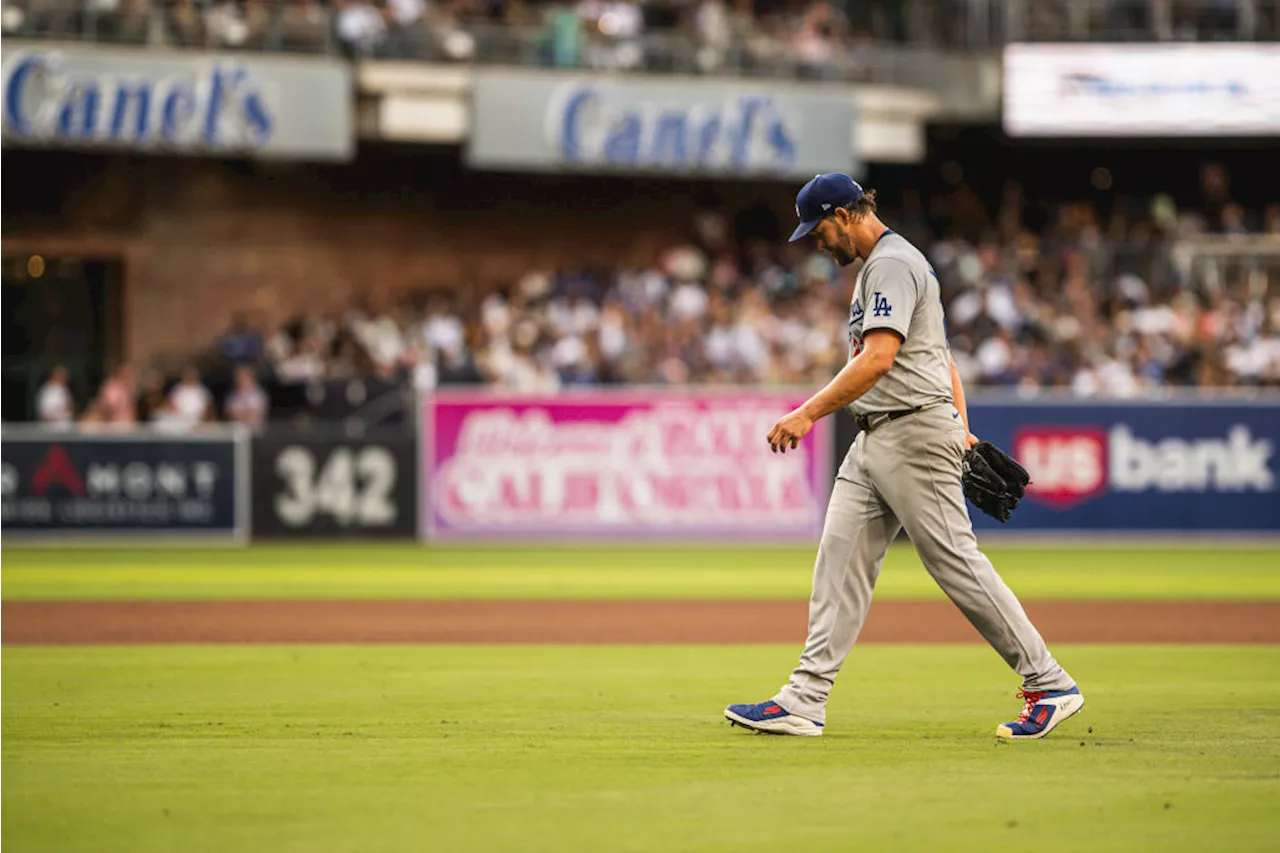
x=634 y=465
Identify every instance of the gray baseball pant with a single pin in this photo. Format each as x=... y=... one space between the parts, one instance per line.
x=906 y=474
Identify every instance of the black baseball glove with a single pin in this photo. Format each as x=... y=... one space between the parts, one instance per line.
x=993 y=480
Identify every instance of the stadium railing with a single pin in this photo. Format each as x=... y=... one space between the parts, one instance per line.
x=1210 y=262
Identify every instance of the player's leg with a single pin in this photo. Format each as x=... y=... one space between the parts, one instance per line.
x=916 y=466
x=855 y=537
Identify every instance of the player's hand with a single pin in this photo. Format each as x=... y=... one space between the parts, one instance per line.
x=788 y=431
x=970 y=440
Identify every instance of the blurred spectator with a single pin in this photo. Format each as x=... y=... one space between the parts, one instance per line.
x=614 y=28
x=360 y=27
x=115 y=403
x=443 y=330
x=240 y=344
x=191 y=402
x=13 y=19
x=303 y=365
x=54 y=403
x=714 y=34
x=457 y=367
x=404 y=36
x=247 y=402
x=153 y=401
x=227 y=24
x=560 y=41
x=819 y=40
x=421 y=368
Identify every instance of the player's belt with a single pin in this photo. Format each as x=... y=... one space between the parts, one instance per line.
x=867 y=423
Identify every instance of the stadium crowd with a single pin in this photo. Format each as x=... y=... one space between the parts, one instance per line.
x=1079 y=305
x=809 y=38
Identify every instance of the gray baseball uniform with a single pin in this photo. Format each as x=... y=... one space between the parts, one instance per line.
x=905 y=473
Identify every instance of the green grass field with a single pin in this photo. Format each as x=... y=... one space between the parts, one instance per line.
x=401 y=571
x=526 y=748
x=556 y=748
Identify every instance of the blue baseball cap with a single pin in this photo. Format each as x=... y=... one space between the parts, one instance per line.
x=820 y=196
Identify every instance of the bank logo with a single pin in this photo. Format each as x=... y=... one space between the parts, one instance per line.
x=1069 y=465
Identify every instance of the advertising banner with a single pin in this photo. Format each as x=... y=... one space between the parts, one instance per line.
x=178 y=103
x=631 y=465
x=1142 y=90
x=143 y=484
x=1178 y=466
x=699 y=127
x=311 y=485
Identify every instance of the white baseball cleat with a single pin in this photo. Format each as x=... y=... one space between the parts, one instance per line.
x=1041 y=714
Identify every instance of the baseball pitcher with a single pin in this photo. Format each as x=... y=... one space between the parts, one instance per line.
x=911 y=466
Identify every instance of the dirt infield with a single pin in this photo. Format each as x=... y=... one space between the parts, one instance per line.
x=605 y=622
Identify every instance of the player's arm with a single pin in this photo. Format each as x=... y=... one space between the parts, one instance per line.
x=957 y=397
x=880 y=348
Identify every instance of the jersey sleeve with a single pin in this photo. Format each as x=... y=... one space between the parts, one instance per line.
x=891 y=294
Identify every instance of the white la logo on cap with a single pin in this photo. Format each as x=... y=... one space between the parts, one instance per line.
x=826 y=207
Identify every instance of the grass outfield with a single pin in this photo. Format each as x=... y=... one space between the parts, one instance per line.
x=409 y=571
x=480 y=748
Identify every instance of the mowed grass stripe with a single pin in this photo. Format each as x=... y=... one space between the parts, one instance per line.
x=341 y=571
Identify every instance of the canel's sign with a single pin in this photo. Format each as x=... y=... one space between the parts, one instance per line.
x=659 y=125
x=177 y=103
x=599 y=125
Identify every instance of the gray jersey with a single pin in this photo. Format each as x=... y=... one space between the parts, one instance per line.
x=897 y=289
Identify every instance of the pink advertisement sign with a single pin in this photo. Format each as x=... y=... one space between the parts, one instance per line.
x=632 y=465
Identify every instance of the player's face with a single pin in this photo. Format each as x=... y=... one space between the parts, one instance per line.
x=833 y=239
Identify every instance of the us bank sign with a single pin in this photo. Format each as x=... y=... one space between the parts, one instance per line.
x=651 y=125
x=178 y=103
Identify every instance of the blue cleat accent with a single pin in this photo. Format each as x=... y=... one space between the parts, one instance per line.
x=1041 y=714
x=771 y=718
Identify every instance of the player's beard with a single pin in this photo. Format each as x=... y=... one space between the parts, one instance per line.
x=843 y=252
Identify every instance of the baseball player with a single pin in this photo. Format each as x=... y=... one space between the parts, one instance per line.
x=903 y=471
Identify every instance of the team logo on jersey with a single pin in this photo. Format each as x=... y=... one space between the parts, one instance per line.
x=855 y=312
x=880 y=306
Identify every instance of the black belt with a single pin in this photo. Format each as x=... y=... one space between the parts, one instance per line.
x=867 y=423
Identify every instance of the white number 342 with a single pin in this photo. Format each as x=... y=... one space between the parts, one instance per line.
x=352 y=487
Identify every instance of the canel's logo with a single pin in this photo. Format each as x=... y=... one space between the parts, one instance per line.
x=1072 y=464
x=49 y=96
x=605 y=125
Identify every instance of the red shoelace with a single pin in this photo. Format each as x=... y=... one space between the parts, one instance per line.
x=1031 y=699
